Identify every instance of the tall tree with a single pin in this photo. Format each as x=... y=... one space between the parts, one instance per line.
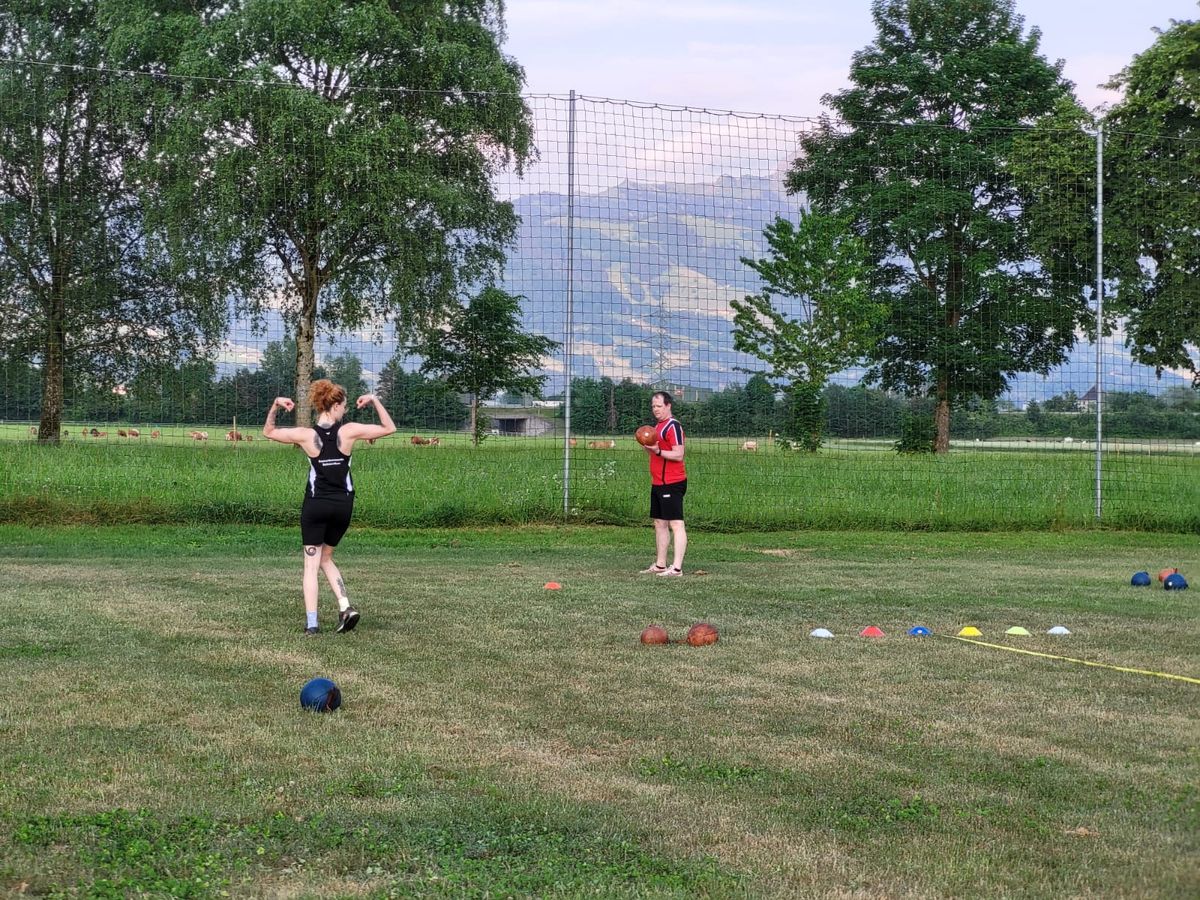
x=481 y=350
x=419 y=402
x=343 y=151
x=813 y=317
x=1152 y=155
x=85 y=284
x=918 y=164
x=346 y=369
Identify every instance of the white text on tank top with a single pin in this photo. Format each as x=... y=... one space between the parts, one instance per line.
x=329 y=470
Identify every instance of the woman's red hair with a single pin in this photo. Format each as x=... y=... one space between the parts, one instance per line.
x=323 y=395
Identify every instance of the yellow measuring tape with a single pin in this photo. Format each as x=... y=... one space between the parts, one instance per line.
x=1072 y=659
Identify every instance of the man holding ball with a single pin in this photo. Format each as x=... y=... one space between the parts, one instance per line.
x=668 y=483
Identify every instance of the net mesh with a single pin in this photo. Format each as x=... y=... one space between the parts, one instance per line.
x=634 y=232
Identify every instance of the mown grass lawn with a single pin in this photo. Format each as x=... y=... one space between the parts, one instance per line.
x=499 y=739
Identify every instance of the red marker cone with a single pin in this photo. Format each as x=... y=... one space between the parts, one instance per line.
x=870 y=631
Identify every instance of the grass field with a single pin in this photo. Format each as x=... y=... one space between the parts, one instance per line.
x=519 y=481
x=498 y=739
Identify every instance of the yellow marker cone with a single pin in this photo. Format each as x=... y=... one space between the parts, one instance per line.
x=970 y=631
x=1017 y=629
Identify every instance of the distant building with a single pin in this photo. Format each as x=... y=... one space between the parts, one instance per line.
x=512 y=422
x=1087 y=402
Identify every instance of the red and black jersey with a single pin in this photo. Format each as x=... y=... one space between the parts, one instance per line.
x=662 y=470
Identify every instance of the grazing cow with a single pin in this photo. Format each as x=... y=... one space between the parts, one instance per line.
x=602 y=445
x=573 y=442
x=198 y=435
x=33 y=429
x=419 y=441
x=749 y=445
x=121 y=432
x=133 y=432
x=156 y=433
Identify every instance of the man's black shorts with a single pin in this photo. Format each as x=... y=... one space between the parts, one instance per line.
x=323 y=520
x=666 y=500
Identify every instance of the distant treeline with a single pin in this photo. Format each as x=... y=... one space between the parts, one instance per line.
x=604 y=406
x=193 y=393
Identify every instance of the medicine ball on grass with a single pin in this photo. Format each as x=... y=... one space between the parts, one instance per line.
x=655 y=634
x=1175 y=582
x=320 y=695
x=1163 y=574
x=701 y=635
x=1140 y=579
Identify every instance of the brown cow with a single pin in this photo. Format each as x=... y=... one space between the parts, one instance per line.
x=602 y=445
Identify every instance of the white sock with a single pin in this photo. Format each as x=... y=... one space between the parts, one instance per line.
x=312 y=619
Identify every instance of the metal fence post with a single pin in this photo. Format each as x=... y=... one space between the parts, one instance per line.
x=1099 y=318
x=570 y=326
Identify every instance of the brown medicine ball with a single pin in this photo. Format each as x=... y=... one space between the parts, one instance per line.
x=655 y=634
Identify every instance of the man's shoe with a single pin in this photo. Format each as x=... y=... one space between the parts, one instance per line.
x=655 y=569
x=347 y=619
x=670 y=572
x=309 y=632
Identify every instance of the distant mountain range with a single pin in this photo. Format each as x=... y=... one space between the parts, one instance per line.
x=656 y=266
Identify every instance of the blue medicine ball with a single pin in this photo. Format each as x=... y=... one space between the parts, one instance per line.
x=1175 y=582
x=1140 y=579
x=320 y=695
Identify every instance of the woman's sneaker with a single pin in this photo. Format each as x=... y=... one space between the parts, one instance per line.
x=347 y=619
x=655 y=569
x=670 y=572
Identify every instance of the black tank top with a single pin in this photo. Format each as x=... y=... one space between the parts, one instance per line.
x=329 y=471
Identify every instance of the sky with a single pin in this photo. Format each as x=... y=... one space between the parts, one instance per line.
x=781 y=56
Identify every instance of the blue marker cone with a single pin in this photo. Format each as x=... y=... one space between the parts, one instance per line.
x=919 y=631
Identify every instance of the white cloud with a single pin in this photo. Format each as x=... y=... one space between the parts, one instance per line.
x=239 y=355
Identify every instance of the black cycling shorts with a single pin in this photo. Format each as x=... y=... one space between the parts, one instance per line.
x=666 y=500
x=323 y=520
